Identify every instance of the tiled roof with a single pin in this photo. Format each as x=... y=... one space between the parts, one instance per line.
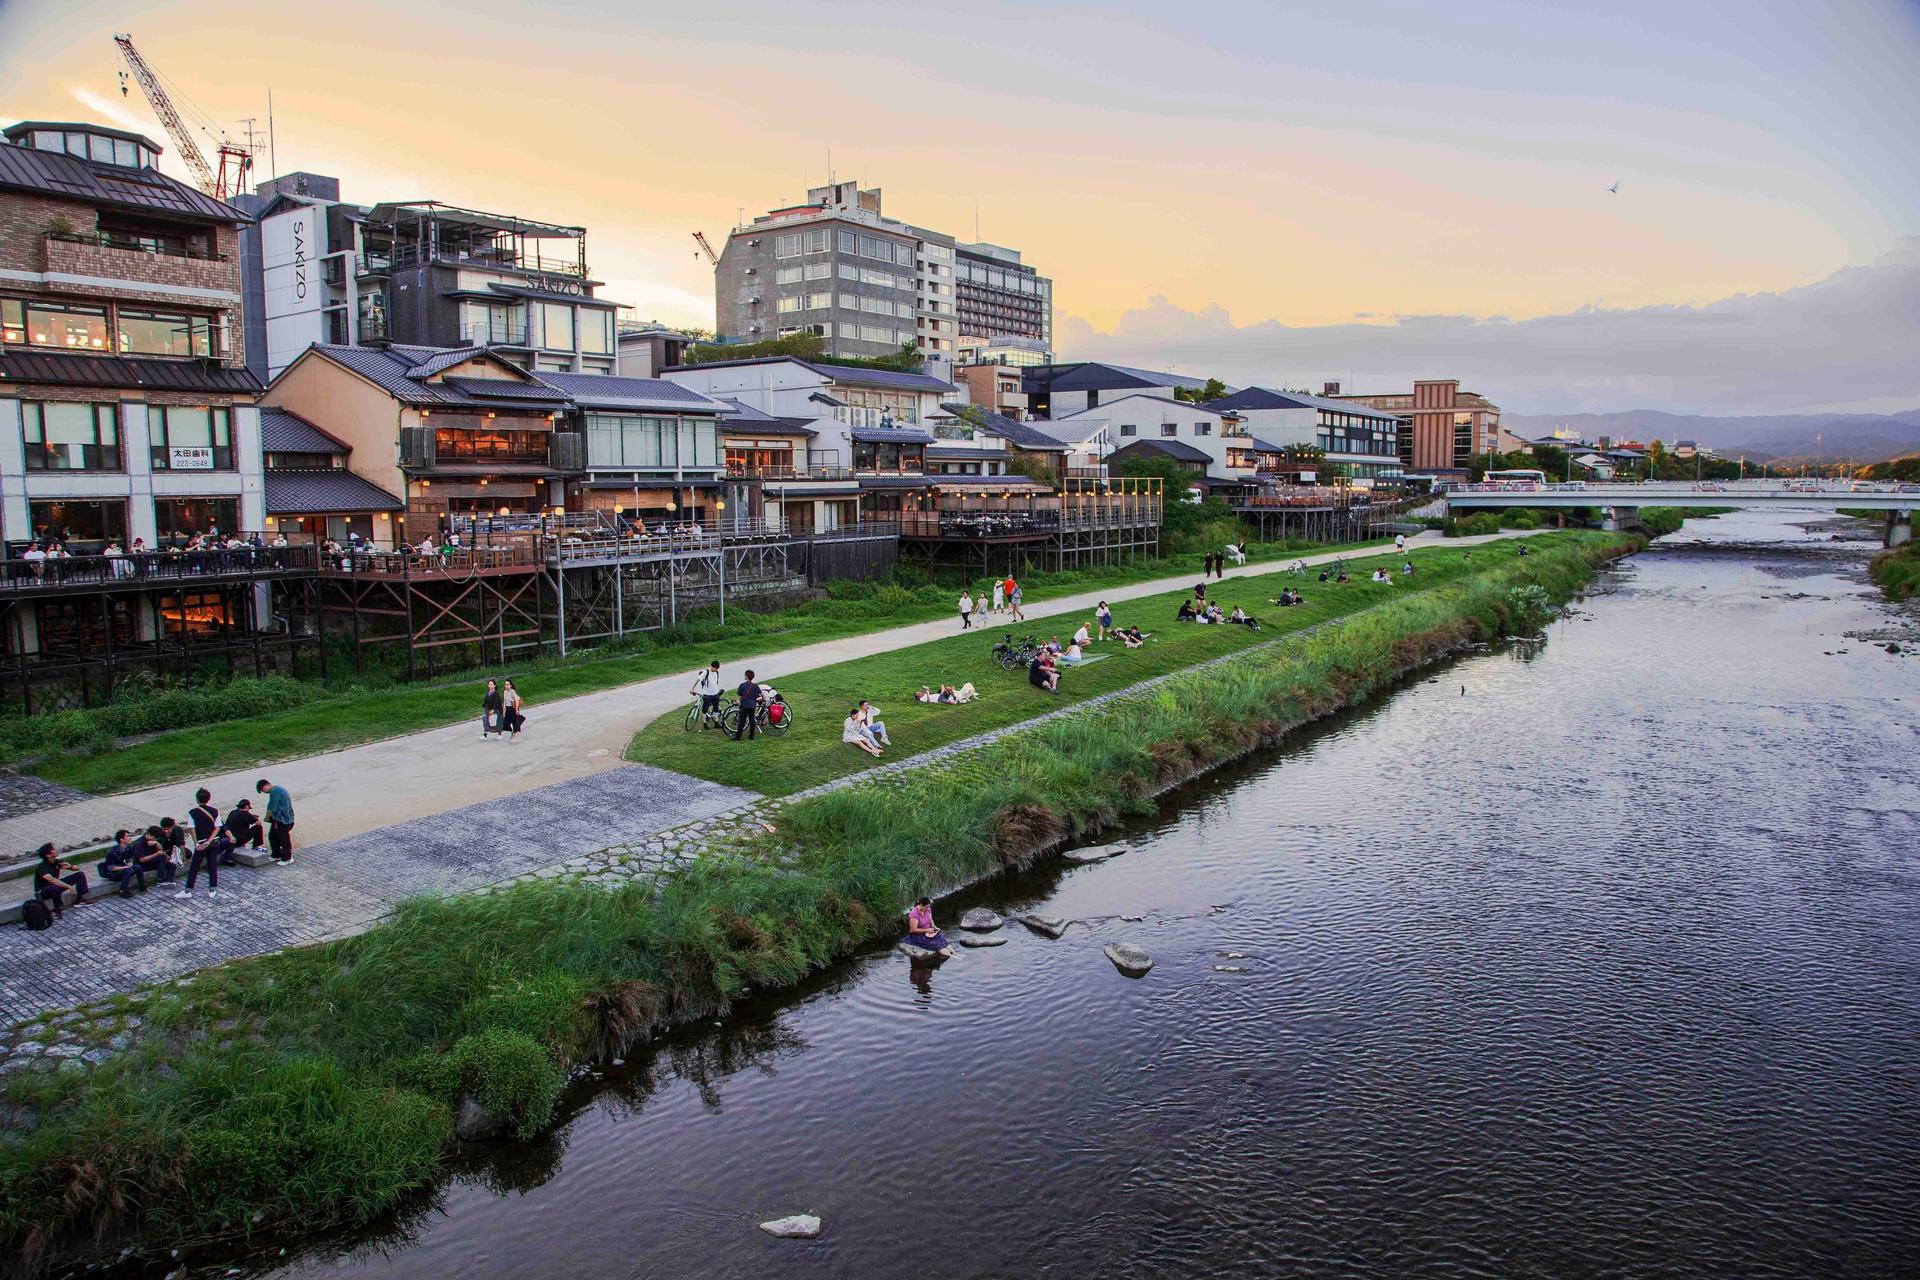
x=511 y=391
x=1094 y=376
x=880 y=378
x=1173 y=449
x=292 y=493
x=1267 y=398
x=397 y=370
x=592 y=390
x=766 y=426
x=1184 y=406
x=389 y=373
x=891 y=435
x=68 y=177
x=1012 y=430
x=742 y=411
x=427 y=361
x=285 y=432
x=69 y=369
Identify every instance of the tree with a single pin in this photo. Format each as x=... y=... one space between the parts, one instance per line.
x=1214 y=390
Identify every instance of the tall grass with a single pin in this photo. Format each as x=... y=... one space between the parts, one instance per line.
x=321 y=1084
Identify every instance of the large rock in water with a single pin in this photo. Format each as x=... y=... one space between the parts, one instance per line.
x=1097 y=853
x=920 y=955
x=799 y=1226
x=1129 y=959
x=981 y=920
x=967 y=940
x=474 y=1123
x=1051 y=926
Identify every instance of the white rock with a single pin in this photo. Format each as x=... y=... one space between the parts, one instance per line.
x=800 y=1226
x=1229 y=968
x=1129 y=958
x=920 y=955
x=1133 y=919
x=1098 y=853
x=981 y=920
x=1051 y=926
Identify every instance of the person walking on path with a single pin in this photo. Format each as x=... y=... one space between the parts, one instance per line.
x=279 y=821
x=510 y=710
x=966 y=609
x=1014 y=596
x=999 y=596
x=1219 y=564
x=210 y=844
x=749 y=694
x=708 y=687
x=1399 y=542
x=490 y=710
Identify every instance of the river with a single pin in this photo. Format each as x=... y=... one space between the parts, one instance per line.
x=1593 y=958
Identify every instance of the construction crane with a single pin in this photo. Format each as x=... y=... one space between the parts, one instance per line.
x=700 y=238
x=236 y=159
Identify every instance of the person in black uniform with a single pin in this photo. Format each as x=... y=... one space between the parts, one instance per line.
x=211 y=844
x=749 y=709
x=244 y=827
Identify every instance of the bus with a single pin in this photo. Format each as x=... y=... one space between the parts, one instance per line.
x=1516 y=479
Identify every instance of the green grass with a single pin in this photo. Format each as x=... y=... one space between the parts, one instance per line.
x=1898 y=571
x=328 y=721
x=811 y=752
x=318 y=1085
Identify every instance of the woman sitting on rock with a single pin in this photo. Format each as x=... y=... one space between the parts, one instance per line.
x=921 y=931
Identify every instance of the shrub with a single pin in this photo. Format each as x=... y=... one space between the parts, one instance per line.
x=1529 y=609
x=509 y=1073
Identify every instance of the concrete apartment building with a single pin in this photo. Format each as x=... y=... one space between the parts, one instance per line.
x=1362 y=440
x=1442 y=427
x=421 y=273
x=837 y=266
x=125 y=410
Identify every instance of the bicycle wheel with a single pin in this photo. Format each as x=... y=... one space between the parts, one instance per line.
x=730 y=719
x=769 y=725
x=694 y=717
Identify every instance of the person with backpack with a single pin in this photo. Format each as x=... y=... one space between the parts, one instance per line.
x=707 y=688
x=211 y=844
x=52 y=878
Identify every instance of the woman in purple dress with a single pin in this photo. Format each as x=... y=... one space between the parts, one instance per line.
x=921 y=931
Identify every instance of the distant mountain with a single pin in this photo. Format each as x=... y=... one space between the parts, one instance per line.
x=1854 y=437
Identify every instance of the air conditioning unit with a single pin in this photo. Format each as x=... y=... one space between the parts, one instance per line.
x=752 y=271
x=755 y=300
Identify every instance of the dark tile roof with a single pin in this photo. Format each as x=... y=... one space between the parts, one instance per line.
x=389 y=373
x=129 y=372
x=68 y=177
x=1012 y=430
x=284 y=432
x=427 y=361
x=1263 y=447
x=944 y=451
x=899 y=482
x=766 y=426
x=891 y=435
x=402 y=371
x=744 y=412
x=1173 y=449
x=1094 y=376
x=1267 y=398
x=880 y=378
x=594 y=390
x=294 y=493
x=511 y=391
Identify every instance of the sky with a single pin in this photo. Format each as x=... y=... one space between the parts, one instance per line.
x=1369 y=191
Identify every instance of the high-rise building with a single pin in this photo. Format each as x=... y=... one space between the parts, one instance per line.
x=837 y=266
x=1442 y=428
x=1000 y=297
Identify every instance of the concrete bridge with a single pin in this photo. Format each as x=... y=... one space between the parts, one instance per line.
x=1621 y=503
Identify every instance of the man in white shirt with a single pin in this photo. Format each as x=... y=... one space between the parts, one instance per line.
x=1083 y=636
x=708 y=686
x=36 y=560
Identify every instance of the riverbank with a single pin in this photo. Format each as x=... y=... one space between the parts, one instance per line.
x=325 y=1082
x=177 y=734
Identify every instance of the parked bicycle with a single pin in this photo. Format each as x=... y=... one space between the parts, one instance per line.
x=1298 y=568
x=701 y=719
x=773 y=715
x=1015 y=656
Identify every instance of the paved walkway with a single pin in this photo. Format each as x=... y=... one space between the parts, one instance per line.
x=380 y=784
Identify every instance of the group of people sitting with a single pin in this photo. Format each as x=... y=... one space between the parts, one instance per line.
x=1289 y=597
x=864 y=729
x=947 y=694
x=1205 y=612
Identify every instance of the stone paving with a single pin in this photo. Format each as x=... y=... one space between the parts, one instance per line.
x=21 y=794
x=331 y=890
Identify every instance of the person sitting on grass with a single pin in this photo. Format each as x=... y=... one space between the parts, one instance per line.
x=1186 y=613
x=1407 y=568
x=1042 y=675
x=854 y=731
x=1381 y=575
x=121 y=865
x=1053 y=645
x=1082 y=636
x=1240 y=617
x=870 y=716
x=1133 y=637
x=52 y=878
x=948 y=695
x=1073 y=656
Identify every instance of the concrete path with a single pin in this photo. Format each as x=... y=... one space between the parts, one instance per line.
x=380 y=784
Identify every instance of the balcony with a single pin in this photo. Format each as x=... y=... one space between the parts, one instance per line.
x=808 y=471
x=407 y=255
x=495 y=333
x=135 y=244
x=138 y=263
x=431 y=448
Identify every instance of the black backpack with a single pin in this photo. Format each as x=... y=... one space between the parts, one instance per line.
x=34 y=914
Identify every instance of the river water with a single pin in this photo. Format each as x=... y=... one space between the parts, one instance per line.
x=1593 y=958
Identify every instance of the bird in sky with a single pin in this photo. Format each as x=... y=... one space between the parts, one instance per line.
x=1615 y=188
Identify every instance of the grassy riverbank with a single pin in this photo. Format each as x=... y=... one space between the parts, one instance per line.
x=1898 y=571
x=321 y=1084
x=812 y=752
x=257 y=722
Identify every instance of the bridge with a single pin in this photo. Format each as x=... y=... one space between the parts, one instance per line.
x=1621 y=503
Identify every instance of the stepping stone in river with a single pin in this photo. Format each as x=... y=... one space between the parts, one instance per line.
x=1098 y=853
x=981 y=920
x=967 y=940
x=1050 y=926
x=799 y=1226
x=1129 y=958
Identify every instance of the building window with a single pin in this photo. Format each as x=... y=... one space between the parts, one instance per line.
x=69 y=326
x=184 y=517
x=1126 y=428
x=849 y=272
x=556 y=326
x=849 y=302
x=596 y=332
x=1203 y=428
x=70 y=437
x=1169 y=429
x=164 y=333
x=819 y=270
x=820 y=302
x=788 y=304
x=787 y=275
x=190 y=438
x=78 y=522
x=787 y=246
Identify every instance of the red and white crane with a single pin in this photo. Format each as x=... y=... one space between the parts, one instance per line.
x=236 y=158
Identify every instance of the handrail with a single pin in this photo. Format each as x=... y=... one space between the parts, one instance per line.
x=18 y=574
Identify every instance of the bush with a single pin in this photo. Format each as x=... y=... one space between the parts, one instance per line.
x=1529 y=609
x=509 y=1073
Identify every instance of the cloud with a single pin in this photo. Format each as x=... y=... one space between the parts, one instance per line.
x=1843 y=343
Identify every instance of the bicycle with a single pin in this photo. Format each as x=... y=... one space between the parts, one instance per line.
x=1015 y=657
x=699 y=719
x=773 y=715
x=1298 y=569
